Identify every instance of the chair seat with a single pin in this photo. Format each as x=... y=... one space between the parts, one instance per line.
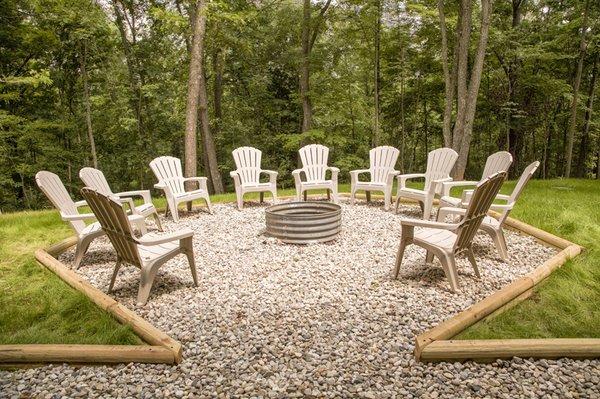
x=317 y=183
x=411 y=192
x=150 y=252
x=436 y=237
x=190 y=194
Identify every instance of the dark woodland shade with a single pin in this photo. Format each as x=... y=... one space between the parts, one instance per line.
x=73 y=72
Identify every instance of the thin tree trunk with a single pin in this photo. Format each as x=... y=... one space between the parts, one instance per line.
x=449 y=84
x=463 y=40
x=474 y=82
x=193 y=92
x=305 y=69
x=585 y=137
x=88 y=112
x=402 y=114
x=574 y=102
x=376 y=132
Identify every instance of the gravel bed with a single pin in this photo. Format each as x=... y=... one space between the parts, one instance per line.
x=276 y=320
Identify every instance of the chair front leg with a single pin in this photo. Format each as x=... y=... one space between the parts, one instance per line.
x=406 y=239
x=449 y=264
x=188 y=249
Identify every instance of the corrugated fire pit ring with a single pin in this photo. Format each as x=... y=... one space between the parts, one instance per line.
x=304 y=222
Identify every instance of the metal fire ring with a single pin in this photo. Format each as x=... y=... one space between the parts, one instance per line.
x=304 y=222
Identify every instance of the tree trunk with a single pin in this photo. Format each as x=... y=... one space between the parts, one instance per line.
x=376 y=132
x=574 y=102
x=470 y=105
x=463 y=39
x=449 y=84
x=402 y=114
x=305 y=69
x=218 y=63
x=585 y=137
x=88 y=112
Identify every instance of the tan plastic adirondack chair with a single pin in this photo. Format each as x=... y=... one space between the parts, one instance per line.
x=446 y=240
x=170 y=179
x=497 y=162
x=382 y=162
x=54 y=189
x=95 y=179
x=489 y=224
x=439 y=166
x=147 y=252
x=246 y=177
x=314 y=167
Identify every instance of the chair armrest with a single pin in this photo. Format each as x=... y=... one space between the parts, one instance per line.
x=160 y=186
x=430 y=224
x=272 y=175
x=297 y=173
x=79 y=216
x=403 y=178
x=157 y=239
x=145 y=194
x=233 y=173
x=433 y=187
x=359 y=171
x=334 y=169
x=447 y=186
x=502 y=207
x=81 y=203
x=198 y=179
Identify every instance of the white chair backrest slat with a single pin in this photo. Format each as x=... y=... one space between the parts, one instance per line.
x=95 y=179
x=382 y=161
x=525 y=177
x=439 y=165
x=497 y=162
x=168 y=171
x=314 y=159
x=483 y=196
x=55 y=190
x=248 y=163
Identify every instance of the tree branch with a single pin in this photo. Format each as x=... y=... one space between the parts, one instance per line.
x=317 y=26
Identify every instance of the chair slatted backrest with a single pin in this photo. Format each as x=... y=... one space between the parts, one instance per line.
x=115 y=224
x=497 y=162
x=55 y=190
x=525 y=177
x=96 y=180
x=247 y=161
x=483 y=197
x=168 y=172
x=382 y=161
x=439 y=165
x=314 y=161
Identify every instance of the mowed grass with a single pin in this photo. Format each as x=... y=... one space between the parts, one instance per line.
x=38 y=307
x=567 y=304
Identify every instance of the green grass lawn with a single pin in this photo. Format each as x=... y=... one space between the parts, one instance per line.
x=567 y=304
x=38 y=307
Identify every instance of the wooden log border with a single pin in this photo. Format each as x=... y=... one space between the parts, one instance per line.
x=161 y=349
x=436 y=345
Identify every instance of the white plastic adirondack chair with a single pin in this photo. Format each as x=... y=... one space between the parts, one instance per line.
x=170 y=179
x=95 y=179
x=446 y=240
x=491 y=225
x=497 y=162
x=246 y=177
x=148 y=252
x=314 y=167
x=439 y=166
x=382 y=161
x=54 y=189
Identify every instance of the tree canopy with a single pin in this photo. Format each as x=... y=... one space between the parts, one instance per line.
x=108 y=80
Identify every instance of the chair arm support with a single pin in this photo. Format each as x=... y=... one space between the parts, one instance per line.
x=403 y=178
x=80 y=216
x=390 y=177
x=447 y=186
x=157 y=239
x=297 y=173
x=448 y=210
x=433 y=187
x=145 y=194
x=272 y=175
